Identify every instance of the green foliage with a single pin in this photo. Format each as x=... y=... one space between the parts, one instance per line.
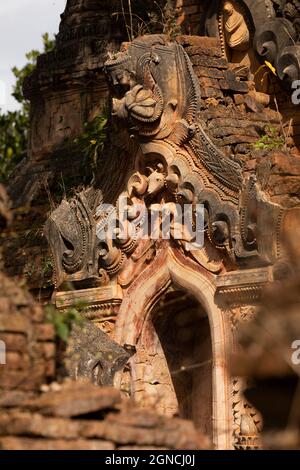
x=171 y=27
x=91 y=142
x=47 y=271
x=21 y=74
x=272 y=139
x=62 y=320
x=13 y=141
x=14 y=125
x=29 y=270
x=47 y=266
x=39 y=270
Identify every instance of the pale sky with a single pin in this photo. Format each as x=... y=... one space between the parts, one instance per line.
x=22 y=23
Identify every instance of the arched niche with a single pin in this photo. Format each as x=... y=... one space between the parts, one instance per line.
x=137 y=327
x=177 y=336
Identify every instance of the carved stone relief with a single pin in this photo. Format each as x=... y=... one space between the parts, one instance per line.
x=234 y=32
x=156 y=106
x=267 y=30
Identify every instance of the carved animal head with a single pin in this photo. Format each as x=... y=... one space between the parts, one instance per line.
x=137 y=185
x=156 y=181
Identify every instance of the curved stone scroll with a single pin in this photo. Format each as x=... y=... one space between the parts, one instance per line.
x=270 y=42
x=288 y=64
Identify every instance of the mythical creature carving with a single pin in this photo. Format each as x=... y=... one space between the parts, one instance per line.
x=71 y=232
x=269 y=28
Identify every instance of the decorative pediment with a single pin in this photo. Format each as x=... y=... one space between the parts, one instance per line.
x=177 y=169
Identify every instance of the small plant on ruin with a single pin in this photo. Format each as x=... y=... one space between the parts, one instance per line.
x=47 y=266
x=171 y=26
x=168 y=18
x=129 y=27
x=29 y=270
x=39 y=270
x=91 y=142
x=47 y=271
x=63 y=320
x=270 y=140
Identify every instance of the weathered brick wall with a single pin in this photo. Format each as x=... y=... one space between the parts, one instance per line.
x=79 y=416
x=191 y=15
x=290 y=117
x=29 y=341
x=26 y=254
x=235 y=116
x=279 y=175
x=188 y=15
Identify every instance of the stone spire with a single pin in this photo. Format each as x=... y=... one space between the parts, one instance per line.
x=85 y=18
x=68 y=87
x=86 y=33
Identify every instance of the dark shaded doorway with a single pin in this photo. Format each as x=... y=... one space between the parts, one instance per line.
x=183 y=331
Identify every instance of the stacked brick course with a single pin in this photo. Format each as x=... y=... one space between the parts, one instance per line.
x=79 y=416
x=190 y=15
x=30 y=347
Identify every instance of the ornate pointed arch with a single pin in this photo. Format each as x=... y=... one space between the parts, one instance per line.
x=171 y=267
